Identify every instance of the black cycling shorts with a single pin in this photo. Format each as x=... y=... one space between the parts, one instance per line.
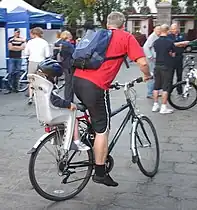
x=162 y=76
x=97 y=102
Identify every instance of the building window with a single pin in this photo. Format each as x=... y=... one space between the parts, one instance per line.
x=136 y=26
x=182 y=26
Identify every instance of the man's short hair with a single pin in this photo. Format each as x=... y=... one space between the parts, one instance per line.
x=116 y=19
x=89 y=25
x=157 y=25
x=17 y=30
x=37 y=31
x=165 y=28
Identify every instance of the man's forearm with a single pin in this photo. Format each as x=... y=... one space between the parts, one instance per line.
x=142 y=63
x=145 y=69
x=16 y=48
x=181 y=44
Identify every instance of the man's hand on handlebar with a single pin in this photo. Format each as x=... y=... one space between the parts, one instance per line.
x=147 y=77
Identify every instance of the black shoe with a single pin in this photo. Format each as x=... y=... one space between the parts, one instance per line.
x=30 y=101
x=7 y=92
x=15 y=90
x=106 y=180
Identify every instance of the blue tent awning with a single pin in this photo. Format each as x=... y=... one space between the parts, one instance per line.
x=34 y=17
x=3 y=15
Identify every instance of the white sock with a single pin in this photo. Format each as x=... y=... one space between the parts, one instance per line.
x=163 y=106
x=77 y=141
x=155 y=103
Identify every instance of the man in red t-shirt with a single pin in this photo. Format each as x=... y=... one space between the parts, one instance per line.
x=91 y=88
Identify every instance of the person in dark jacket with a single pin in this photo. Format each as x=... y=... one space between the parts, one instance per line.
x=66 y=52
x=180 y=43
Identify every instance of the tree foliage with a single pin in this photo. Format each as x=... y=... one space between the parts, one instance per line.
x=191 y=8
x=75 y=9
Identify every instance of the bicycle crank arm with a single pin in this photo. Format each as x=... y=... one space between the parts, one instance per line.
x=67 y=173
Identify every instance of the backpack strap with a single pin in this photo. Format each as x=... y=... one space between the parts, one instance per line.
x=117 y=57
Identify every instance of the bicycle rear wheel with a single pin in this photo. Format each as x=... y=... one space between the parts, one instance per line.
x=22 y=82
x=54 y=177
x=146 y=145
x=185 y=100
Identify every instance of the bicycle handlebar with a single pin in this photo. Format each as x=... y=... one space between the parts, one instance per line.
x=117 y=85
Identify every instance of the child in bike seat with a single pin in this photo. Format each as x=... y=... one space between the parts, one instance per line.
x=50 y=69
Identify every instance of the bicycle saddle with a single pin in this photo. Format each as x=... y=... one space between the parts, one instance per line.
x=81 y=107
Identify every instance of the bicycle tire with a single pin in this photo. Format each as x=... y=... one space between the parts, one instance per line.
x=182 y=107
x=27 y=83
x=139 y=163
x=38 y=188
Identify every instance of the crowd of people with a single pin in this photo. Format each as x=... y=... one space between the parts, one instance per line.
x=162 y=54
x=164 y=50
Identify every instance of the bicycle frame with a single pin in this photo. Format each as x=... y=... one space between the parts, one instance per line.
x=130 y=113
x=128 y=116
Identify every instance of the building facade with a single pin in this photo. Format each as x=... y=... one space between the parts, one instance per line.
x=138 y=23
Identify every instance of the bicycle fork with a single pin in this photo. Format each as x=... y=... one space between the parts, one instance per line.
x=132 y=141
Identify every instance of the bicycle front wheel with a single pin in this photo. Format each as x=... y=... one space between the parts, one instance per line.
x=56 y=176
x=147 y=146
x=187 y=99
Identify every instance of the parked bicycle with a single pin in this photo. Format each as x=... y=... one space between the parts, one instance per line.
x=188 y=61
x=22 y=84
x=65 y=182
x=188 y=86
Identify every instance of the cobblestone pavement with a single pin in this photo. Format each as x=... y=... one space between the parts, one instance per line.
x=173 y=188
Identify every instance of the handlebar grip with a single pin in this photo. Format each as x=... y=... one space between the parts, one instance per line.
x=114 y=86
x=140 y=79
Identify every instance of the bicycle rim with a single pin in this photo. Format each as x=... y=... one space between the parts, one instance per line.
x=147 y=147
x=183 y=101
x=22 y=83
x=63 y=191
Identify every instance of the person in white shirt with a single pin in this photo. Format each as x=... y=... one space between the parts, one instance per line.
x=37 y=49
x=151 y=55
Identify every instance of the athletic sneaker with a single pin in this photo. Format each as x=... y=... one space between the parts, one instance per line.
x=30 y=101
x=81 y=146
x=165 y=110
x=106 y=180
x=156 y=107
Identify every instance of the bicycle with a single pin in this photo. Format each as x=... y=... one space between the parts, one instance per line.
x=189 y=61
x=187 y=86
x=22 y=84
x=66 y=169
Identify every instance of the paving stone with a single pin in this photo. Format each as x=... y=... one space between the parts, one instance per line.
x=173 y=188
x=183 y=192
x=185 y=168
x=188 y=204
x=176 y=156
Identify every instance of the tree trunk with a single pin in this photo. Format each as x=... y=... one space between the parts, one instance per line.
x=130 y=3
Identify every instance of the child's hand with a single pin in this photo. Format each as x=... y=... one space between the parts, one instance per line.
x=73 y=107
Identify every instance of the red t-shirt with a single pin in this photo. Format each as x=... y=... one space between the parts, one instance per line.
x=121 y=43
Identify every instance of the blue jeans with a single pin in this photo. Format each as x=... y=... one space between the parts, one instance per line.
x=150 y=83
x=14 y=67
